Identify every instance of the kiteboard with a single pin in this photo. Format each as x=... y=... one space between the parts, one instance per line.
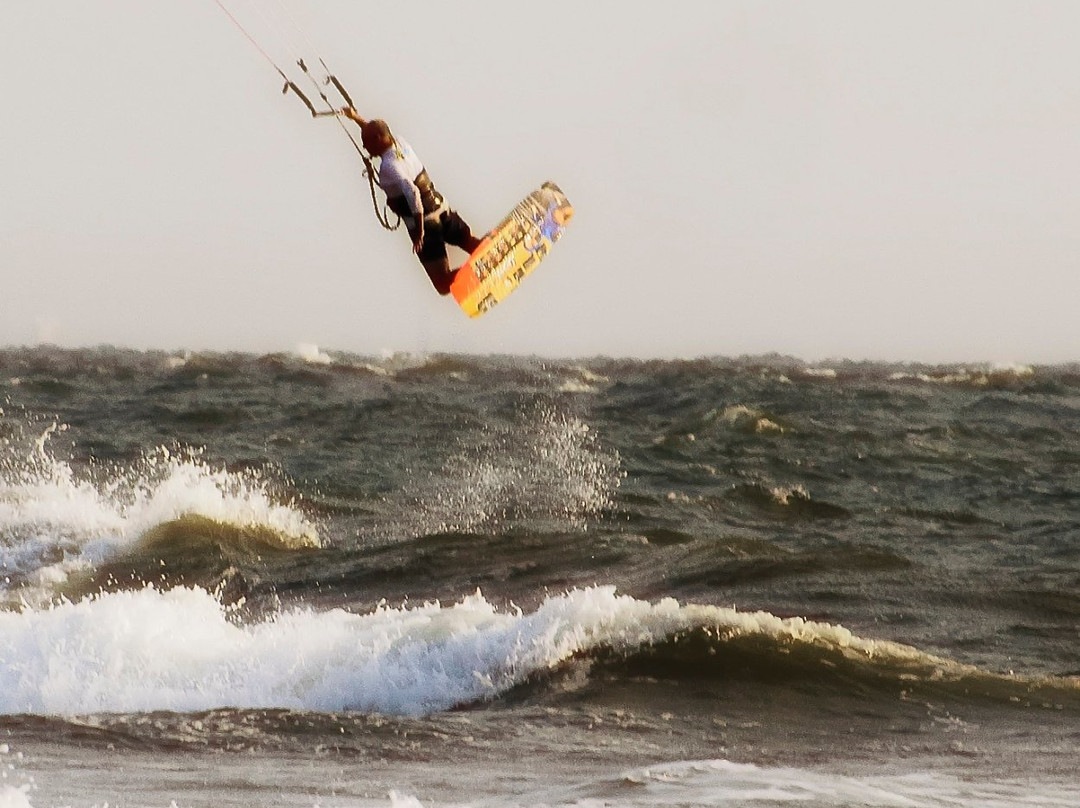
x=512 y=250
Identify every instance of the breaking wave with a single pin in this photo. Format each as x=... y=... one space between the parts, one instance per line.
x=183 y=651
x=56 y=522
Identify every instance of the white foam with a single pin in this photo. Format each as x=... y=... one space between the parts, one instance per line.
x=784 y=495
x=1017 y=369
x=586 y=382
x=311 y=354
x=740 y=416
x=12 y=793
x=177 y=362
x=723 y=783
x=404 y=801
x=180 y=650
x=11 y=797
x=576 y=386
x=820 y=373
x=978 y=377
x=53 y=523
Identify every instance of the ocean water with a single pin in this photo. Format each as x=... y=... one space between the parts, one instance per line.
x=321 y=579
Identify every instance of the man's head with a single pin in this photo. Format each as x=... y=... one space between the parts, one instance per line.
x=376 y=137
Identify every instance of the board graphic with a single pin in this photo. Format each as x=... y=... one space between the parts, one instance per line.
x=512 y=250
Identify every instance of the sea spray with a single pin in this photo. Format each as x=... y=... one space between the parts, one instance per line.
x=545 y=464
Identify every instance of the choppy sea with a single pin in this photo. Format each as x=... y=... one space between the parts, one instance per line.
x=321 y=579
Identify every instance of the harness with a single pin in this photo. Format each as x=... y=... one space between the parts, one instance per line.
x=431 y=200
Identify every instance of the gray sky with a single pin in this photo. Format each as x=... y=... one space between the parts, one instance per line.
x=828 y=179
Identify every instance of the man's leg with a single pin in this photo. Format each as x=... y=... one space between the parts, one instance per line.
x=438 y=270
x=433 y=256
x=456 y=231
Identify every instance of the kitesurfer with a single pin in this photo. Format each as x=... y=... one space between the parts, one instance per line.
x=432 y=224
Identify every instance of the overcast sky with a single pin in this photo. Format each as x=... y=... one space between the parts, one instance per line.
x=834 y=179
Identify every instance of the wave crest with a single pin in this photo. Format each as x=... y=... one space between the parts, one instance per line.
x=182 y=650
x=56 y=521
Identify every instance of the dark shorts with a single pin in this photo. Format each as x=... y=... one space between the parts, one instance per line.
x=449 y=228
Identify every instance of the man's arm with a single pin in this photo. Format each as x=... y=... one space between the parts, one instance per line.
x=353 y=115
x=397 y=185
x=417 y=206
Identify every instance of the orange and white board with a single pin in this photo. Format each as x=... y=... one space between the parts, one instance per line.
x=512 y=250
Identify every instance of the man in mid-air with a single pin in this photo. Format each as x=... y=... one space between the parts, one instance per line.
x=431 y=223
